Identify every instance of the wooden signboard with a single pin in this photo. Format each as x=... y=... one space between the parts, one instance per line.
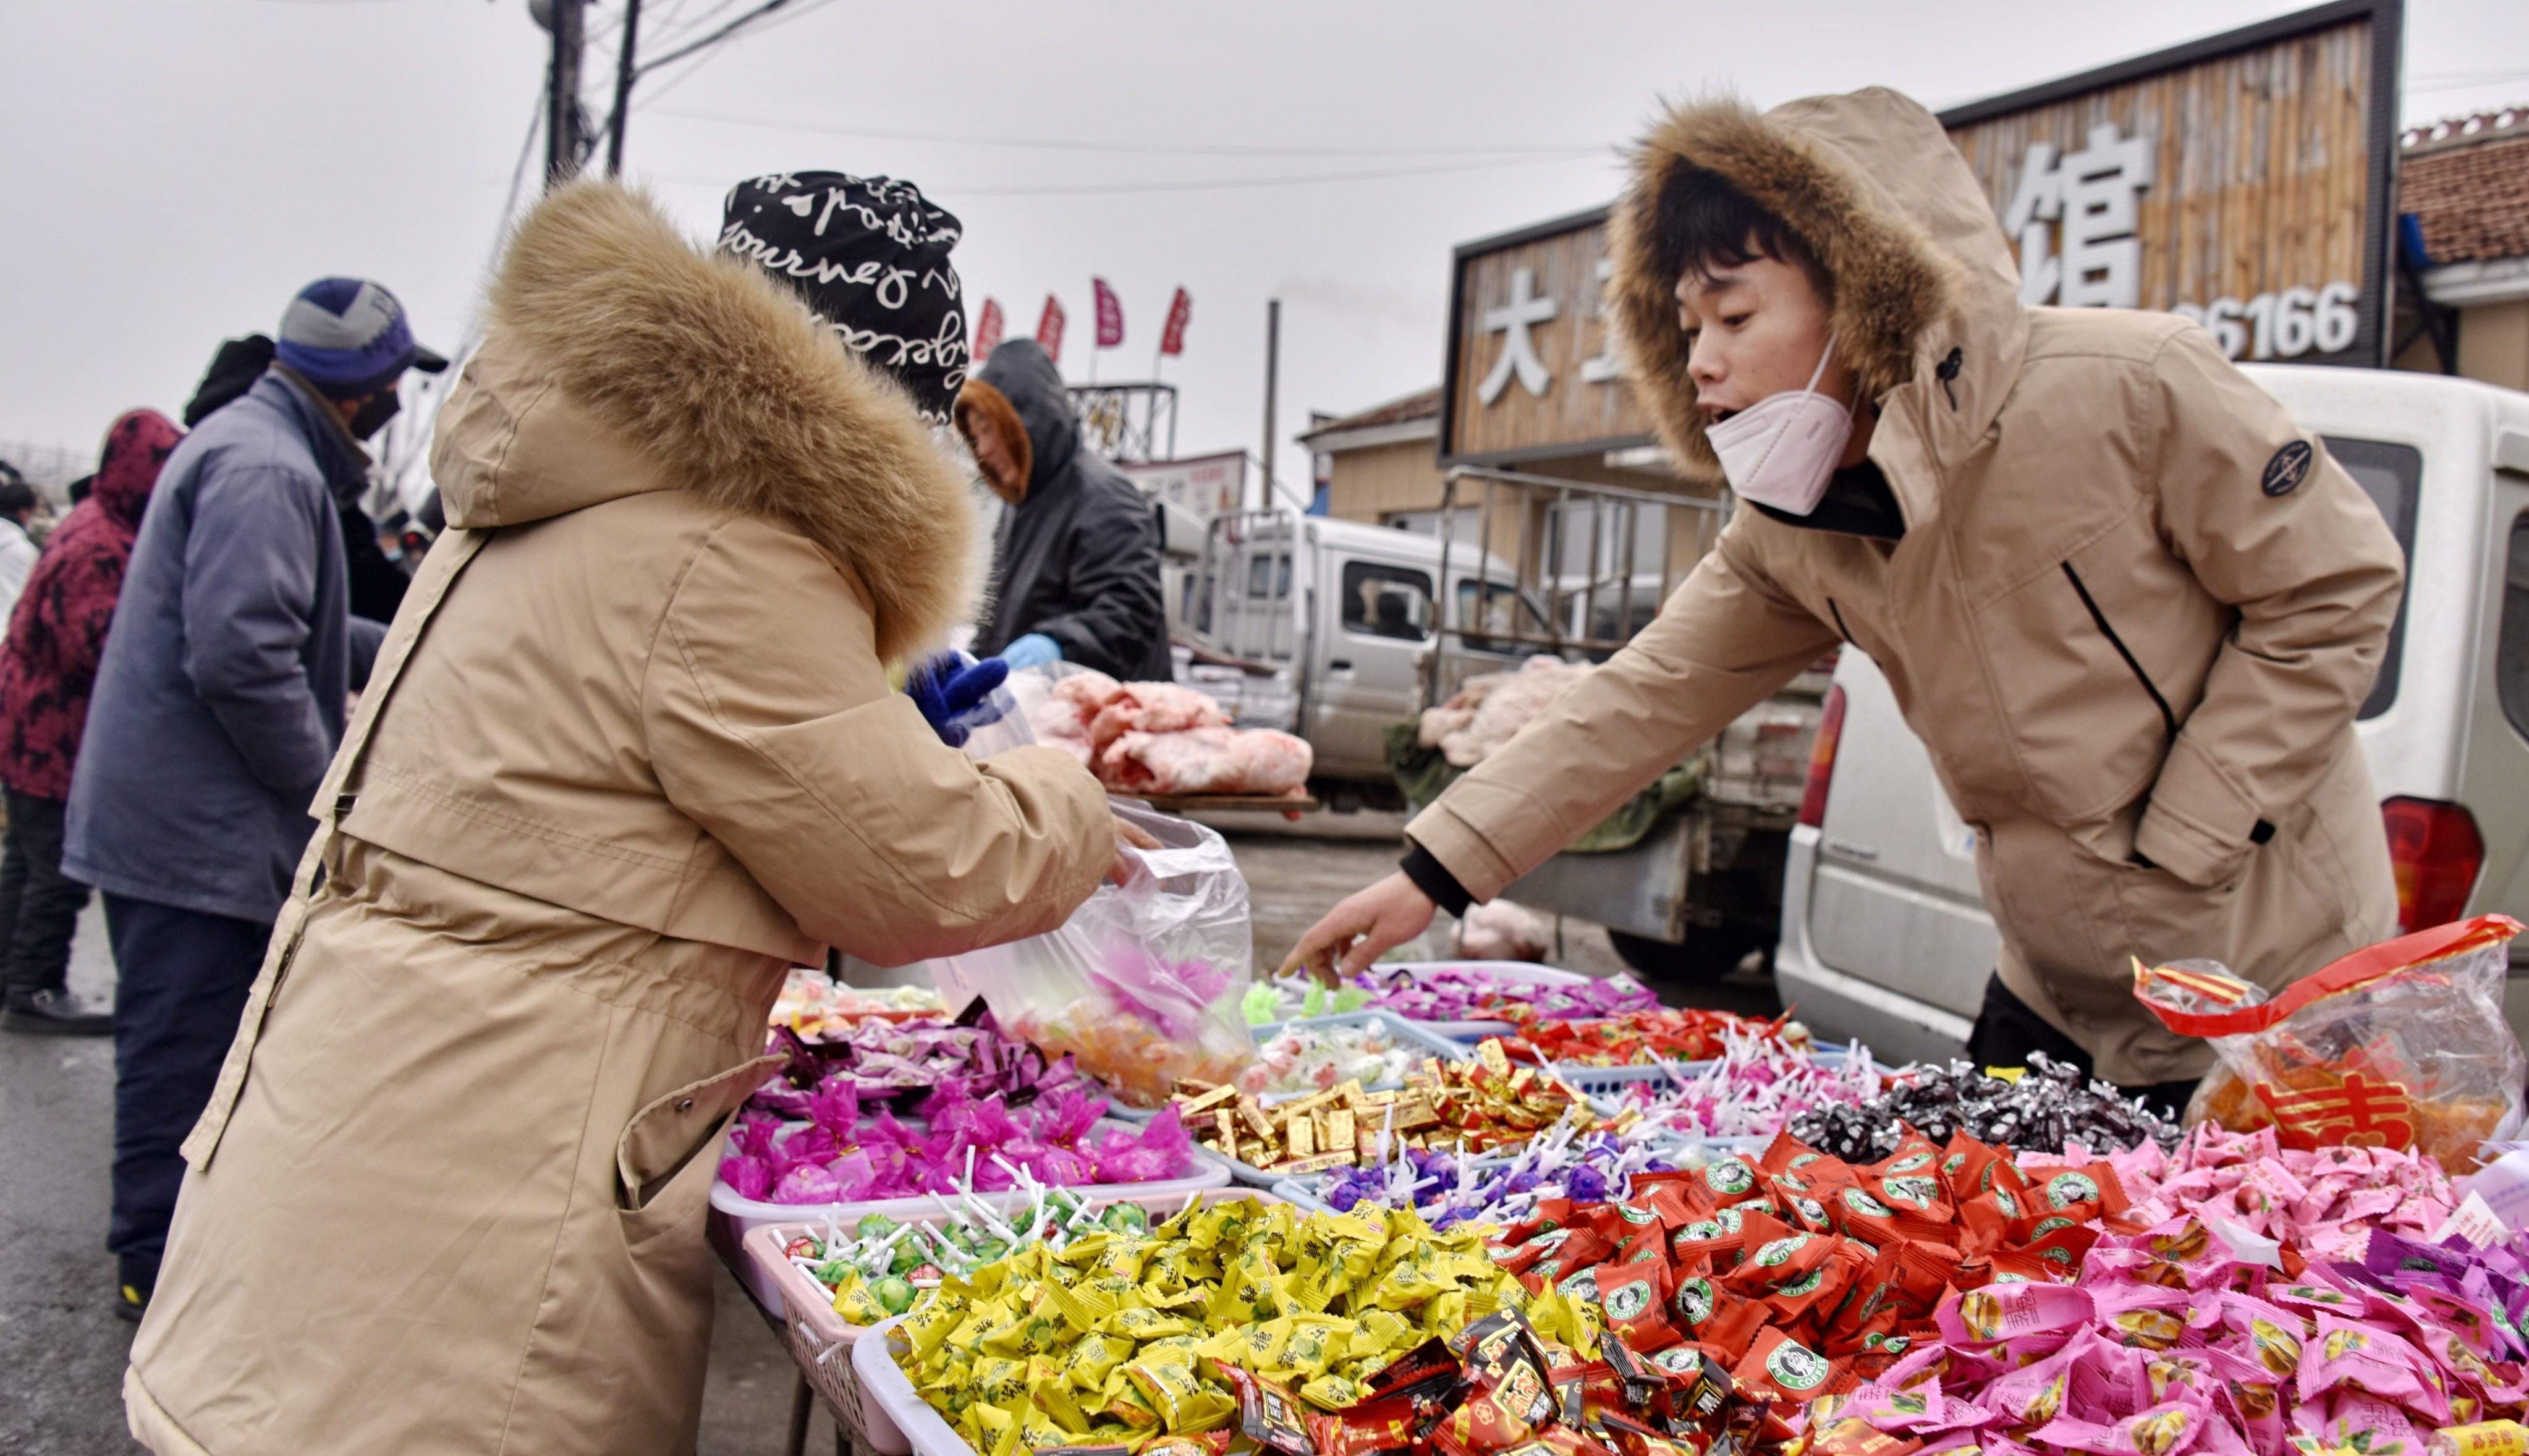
x=2245 y=181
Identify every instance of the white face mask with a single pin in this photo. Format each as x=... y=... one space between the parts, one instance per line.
x=1782 y=450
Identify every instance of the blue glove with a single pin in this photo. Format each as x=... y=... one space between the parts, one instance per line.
x=955 y=694
x=1034 y=650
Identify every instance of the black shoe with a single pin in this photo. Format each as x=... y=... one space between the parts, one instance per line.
x=54 y=1014
x=130 y=1302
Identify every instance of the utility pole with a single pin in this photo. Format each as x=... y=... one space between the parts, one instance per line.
x=561 y=88
x=622 y=88
x=1272 y=378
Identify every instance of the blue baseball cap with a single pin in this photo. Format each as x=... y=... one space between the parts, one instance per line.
x=347 y=337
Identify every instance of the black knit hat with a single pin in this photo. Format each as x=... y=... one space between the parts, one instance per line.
x=870 y=255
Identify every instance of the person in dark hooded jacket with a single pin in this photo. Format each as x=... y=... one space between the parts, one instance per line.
x=56 y=634
x=1076 y=563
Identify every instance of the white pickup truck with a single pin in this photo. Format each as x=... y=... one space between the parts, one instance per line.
x=1884 y=936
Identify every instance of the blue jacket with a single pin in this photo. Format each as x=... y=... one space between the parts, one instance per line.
x=221 y=695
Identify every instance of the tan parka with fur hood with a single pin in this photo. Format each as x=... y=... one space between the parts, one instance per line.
x=628 y=754
x=2132 y=614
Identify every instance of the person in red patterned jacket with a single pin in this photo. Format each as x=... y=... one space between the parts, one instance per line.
x=56 y=634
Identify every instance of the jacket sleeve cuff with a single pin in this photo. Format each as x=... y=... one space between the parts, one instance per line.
x=2197 y=827
x=1472 y=861
x=1433 y=878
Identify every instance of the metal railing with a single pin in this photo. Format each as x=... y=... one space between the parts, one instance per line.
x=1544 y=509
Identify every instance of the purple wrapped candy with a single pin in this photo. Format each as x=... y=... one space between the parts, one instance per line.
x=879 y=1058
x=1448 y=1189
x=1470 y=993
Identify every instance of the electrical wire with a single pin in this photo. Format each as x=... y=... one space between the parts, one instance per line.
x=704 y=59
x=1044 y=144
x=1190 y=184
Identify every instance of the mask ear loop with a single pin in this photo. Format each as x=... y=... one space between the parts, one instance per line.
x=1851 y=411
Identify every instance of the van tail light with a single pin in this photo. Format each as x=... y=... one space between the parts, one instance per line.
x=2436 y=852
x=1822 y=760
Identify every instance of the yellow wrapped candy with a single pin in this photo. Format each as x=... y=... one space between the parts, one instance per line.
x=1110 y=1341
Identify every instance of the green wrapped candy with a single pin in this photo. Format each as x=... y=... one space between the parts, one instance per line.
x=1127 y=1219
x=909 y=1256
x=894 y=1295
x=875 y=1226
x=834 y=1272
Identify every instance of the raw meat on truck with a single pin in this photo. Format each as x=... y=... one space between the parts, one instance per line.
x=1208 y=760
x=1152 y=708
x=1487 y=710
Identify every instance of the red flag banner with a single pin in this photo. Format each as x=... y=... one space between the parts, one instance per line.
x=1111 y=314
x=1172 y=338
x=1049 y=329
x=987 y=331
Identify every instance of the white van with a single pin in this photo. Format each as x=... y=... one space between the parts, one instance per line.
x=1884 y=935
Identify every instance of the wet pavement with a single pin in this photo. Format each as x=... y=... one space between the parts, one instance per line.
x=62 y=1350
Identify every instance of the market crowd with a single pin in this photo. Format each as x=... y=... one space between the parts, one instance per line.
x=360 y=862
x=448 y=897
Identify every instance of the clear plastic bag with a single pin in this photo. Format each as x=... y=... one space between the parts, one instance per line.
x=1143 y=985
x=2400 y=1044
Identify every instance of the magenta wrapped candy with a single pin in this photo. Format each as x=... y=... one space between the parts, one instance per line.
x=955 y=1142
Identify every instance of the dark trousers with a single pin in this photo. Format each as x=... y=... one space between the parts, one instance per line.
x=2006 y=1030
x=40 y=906
x=181 y=979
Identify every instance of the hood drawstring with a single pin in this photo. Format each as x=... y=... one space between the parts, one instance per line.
x=1948 y=371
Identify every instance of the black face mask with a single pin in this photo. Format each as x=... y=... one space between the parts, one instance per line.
x=375 y=411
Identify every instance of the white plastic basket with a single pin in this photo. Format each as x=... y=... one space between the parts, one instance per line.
x=736 y=1215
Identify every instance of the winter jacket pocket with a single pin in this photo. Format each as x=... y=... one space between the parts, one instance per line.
x=665 y=1163
x=2090 y=604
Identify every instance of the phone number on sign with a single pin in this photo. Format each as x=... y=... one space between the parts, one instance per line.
x=2283 y=325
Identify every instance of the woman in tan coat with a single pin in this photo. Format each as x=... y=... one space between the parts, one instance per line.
x=628 y=752
x=2129 y=604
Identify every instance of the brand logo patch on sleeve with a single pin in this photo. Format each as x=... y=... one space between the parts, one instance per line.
x=2289 y=468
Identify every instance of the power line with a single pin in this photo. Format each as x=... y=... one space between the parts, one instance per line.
x=725 y=32
x=1153 y=148
x=1192 y=185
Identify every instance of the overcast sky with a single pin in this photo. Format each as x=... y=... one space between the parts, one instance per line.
x=177 y=169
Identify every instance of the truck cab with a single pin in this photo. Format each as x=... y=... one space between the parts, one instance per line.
x=1884 y=936
x=1322 y=628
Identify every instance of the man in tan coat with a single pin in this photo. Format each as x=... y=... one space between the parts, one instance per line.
x=2129 y=607
x=628 y=752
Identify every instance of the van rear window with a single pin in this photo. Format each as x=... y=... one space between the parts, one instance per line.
x=2511 y=644
x=2393 y=476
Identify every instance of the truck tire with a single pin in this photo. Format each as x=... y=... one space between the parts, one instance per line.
x=1707 y=954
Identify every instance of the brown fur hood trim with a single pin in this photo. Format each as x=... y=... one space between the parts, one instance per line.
x=712 y=370
x=1891 y=281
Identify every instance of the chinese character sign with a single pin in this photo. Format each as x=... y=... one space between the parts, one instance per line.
x=1172 y=338
x=988 y=330
x=2242 y=187
x=1513 y=320
x=1049 y=329
x=2094 y=191
x=1532 y=357
x=1111 y=314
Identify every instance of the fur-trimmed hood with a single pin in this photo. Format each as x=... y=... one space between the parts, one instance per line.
x=1873 y=184
x=680 y=369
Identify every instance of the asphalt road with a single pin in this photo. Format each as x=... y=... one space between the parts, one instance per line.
x=62 y=1350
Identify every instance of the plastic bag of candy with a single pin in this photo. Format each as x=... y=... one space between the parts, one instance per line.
x=2400 y=1044
x=1142 y=985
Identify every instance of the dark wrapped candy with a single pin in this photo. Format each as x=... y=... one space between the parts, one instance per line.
x=2049 y=1105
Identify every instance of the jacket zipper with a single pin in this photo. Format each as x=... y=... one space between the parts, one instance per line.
x=2167 y=719
x=1838 y=613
